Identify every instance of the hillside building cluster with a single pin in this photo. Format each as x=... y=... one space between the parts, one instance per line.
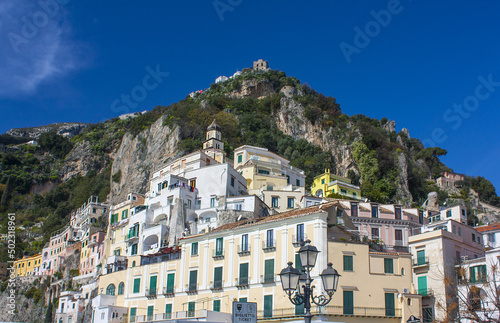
x=211 y=230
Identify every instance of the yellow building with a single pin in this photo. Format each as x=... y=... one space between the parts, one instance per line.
x=241 y=261
x=327 y=183
x=28 y=266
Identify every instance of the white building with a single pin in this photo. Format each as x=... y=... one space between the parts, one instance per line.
x=221 y=78
x=70 y=307
x=491 y=235
x=477 y=290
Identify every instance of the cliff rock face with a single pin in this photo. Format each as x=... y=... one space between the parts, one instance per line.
x=138 y=157
x=82 y=160
x=253 y=89
x=64 y=129
x=291 y=121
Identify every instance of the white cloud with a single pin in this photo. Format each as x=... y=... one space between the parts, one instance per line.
x=35 y=45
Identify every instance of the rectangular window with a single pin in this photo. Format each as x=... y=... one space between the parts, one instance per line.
x=342 y=191
x=137 y=285
x=170 y=283
x=194 y=249
x=212 y=202
x=191 y=309
x=491 y=237
x=240 y=158
x=268 y=306
x=375 y=233
x=124 y=214
x=243 y=300
x=188 y=204
x=216 y=305
x=388 y=266
x=263 y=171
x=323 y=181
x=354 y=209
x=448 y=214
x=291 y=202
x=374 y=211
x=274 y=201
x=270 y=239
x=473 y=237
x=427 y=313
x=348 y=264
x=219 y=243
x=269 y=271
x=398 y=235
x=300 y=232
x=297 y=182
x=397 y=212
x=243 y=280
x=288 y=179
x=244 y=242
x=168 y=311
x=420 y=257
x=422 y=285
x=134 y=249
x=193 y=280
x=390 y=308
x=348 y=302
x=232 y=181
x=218 y=277
x=152 y=285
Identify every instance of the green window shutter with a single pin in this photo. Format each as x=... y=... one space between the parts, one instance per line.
x=269 y=270
x=472 y=274
x=218 y=277
x=133 y=311
x=217 y=305
x=170 y=283
x=268 y=306
x=137 y=285
x=168 y=311
x=151 y=310
x=243 y=300
x=390 y=308
x=191 y=309
x=193 y=280
x=152 y=284
x=348 y=302
x=388 y=266
x=422 y=285
x=243 y=274
x=299 y=309
x=219 y=242
x=194 y=248
x=420 y=257
x=348 y=265
x=134 y=249
x=298 y=263
x=240 y=158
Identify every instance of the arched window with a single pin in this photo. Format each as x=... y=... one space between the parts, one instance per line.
x=121 y=287
x=133 y=263
x=110 y=290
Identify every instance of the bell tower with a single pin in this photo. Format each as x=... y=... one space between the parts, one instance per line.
x=213 y=145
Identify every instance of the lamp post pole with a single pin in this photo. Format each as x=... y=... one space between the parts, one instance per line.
x=298 y=286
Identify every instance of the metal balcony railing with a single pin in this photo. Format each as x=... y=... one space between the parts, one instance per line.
x=242 y=282
x=297 y=240
x=243 y=249
x=425 y=292
x=218 y=254
x=420 y=261
x=151 y=293
x=217 y=285
x=169 y=290
x=268 y=278
x=269 y=245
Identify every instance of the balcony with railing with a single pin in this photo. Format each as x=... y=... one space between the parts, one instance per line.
x=425 y=292
x=268 y=278
x=191 y=288
x=368 y=312
x=218 y=254
x=217 y=285
x=420 y=262
x=169 y=291
x=297 y=240
x=269 y=245
x=242 y=282
x=150 y=293
x=243 y=249
x=132 y=236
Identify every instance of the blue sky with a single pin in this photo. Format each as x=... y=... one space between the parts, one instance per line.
x=432 y=67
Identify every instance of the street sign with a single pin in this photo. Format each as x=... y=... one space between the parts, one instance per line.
x=244 y=312
x=413 y=319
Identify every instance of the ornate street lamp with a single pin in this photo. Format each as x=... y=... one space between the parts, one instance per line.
x=298 y=286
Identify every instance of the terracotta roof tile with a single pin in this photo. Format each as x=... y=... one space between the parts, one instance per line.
x=491 y=227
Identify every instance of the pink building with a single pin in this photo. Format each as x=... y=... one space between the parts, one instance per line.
x=389 y=225
x=448 y=179
x=92 y=252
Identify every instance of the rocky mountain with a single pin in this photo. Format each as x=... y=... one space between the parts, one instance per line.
x=69 y=129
